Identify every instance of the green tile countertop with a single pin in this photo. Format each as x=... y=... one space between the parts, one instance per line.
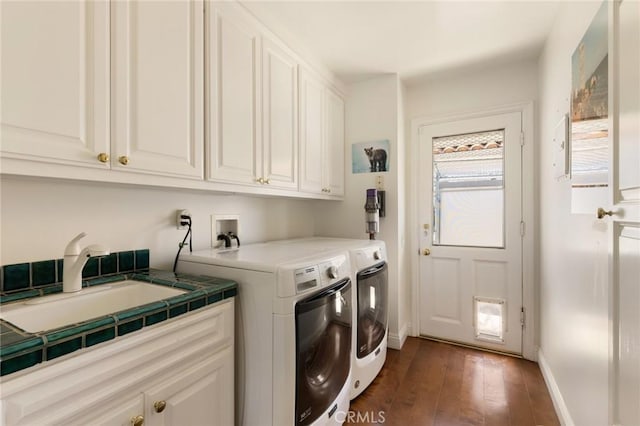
x=20 y=349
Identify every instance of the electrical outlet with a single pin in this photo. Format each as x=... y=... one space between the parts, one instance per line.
x=179 y=218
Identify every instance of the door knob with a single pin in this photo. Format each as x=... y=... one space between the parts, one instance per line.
x=260 y=180
x=137 y=420
x=426 y=252
x=103 y=157
x=601 y=213
x=124 y=160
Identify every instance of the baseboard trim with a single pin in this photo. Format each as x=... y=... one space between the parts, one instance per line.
x=558 y=402
x=396 y=341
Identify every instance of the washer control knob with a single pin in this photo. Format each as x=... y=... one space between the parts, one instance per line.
x=377 y=255
x=332 y=272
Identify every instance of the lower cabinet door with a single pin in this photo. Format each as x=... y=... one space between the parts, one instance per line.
x=124 y=412
x=201 y=395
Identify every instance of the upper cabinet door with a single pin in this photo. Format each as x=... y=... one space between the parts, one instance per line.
x=334 y=169
x=280 y=116
x=158 y=87
x=311 y=133
x=55 y=81
x=233 y=133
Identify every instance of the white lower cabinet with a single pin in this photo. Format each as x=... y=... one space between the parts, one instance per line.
x=176 y=373
x=121 y=413
x=198 y=396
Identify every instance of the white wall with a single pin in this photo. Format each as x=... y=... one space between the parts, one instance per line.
x=573 y=248
x=474 y=90
x=371 y=114
x=39 y=216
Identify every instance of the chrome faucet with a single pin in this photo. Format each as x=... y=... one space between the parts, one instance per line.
x=74 y=261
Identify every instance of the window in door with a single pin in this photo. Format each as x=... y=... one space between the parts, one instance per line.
x=468 y=190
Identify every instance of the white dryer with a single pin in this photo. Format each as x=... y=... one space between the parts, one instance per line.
x=370 y=301
x=293 y=331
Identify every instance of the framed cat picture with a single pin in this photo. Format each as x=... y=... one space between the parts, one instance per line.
x=370 y=157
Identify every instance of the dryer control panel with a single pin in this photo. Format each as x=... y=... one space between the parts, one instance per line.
x=298 y=278
x=306 y=278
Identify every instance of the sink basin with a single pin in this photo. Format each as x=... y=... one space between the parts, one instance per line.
x=49 y=312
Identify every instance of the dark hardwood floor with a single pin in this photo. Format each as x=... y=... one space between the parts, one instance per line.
x=433 y=383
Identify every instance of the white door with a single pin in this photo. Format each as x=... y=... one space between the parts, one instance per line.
x=158 y=87
x=470 y=213
x=233 y=66
x=311 y=133
x=625 y=209
x=55 y=81
x=280 y=116
x=202 y=395
x=334 y=151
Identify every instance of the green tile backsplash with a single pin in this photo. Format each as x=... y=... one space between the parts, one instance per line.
x=15 y=277
x=43 y=273
x=126 y=261
x=109 y=264
x=46 y=275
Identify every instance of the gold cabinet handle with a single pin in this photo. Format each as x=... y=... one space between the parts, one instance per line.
x=137 y=420
x=103 y=157
x=260 y=180
x=124 y=160
x=601 y=213
x=267 y=181
x=159 y=406
x=426 y=252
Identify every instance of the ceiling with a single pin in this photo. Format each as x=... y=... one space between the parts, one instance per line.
x=415 y=39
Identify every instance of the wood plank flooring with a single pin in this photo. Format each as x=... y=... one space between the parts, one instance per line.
x=433 y=383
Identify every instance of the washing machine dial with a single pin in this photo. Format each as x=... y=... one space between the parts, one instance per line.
x=332 y=272
x=377 y=255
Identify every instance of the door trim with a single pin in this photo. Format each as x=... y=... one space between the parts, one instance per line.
x=529 y=257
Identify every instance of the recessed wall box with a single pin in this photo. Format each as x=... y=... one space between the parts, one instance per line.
x=224 y=224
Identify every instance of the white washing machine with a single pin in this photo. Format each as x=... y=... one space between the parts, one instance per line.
x=370 y=299
x=293 y=331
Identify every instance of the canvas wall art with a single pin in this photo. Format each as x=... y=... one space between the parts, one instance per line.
x=589 y=105
x=370 y=157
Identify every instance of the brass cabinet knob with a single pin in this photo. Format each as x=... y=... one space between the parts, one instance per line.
x=137 y=420
x=159 y=406
x=124 y=160
x=267 y=181
x=426 y=252
x=260 y=180
x=601 y=213
x=103 y=157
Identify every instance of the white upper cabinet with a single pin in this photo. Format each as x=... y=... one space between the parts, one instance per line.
x=195 y=94
x=234 y=149
x=252 y=136
x=311 y=133
x=55 y=81
x=322 y=137
x=334 y=168
x=280 y=116
x=158 y=87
